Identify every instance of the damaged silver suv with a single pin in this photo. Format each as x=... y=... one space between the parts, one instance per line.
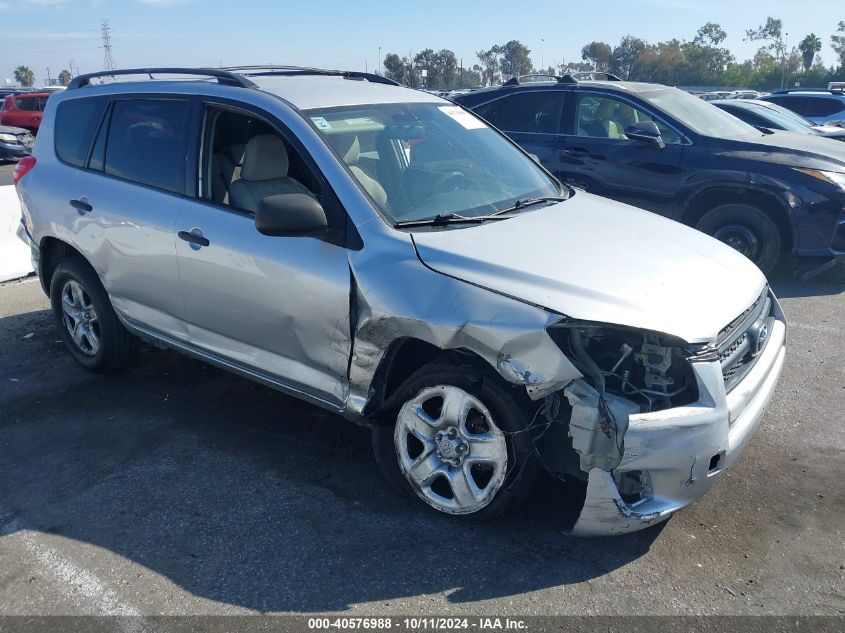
x=385 y=254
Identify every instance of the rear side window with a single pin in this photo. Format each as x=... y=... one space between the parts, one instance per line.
x=824 y=106
x=76 y=124
x=537 y=112
x=146 y=142
x=27 y=104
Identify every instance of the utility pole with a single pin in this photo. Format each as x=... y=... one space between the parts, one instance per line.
x=70 y=67
x=49 y=78
x=783 y=61
x=378 y=72
x=542 y=55
x=108 y=58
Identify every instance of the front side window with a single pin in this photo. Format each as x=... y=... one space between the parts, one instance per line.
x=605 y=117
x=531 y=112
x=146 y=142
x=418 y=160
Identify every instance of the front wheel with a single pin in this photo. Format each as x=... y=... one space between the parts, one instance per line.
x=456 y=439
x=746 y=229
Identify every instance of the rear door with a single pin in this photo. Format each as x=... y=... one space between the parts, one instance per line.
x=532 y=118
x=598 y=156
x=123 y=205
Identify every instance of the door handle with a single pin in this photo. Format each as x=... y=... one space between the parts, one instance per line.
x=194 y=238
x=82 y=205
x=576 y=151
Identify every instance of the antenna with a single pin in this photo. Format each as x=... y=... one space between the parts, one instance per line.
x=108 y=58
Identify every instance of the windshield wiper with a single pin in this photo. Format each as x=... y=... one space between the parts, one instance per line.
x=527 y=202
x=442 y=219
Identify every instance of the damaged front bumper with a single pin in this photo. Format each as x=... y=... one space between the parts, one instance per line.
x=676 y=454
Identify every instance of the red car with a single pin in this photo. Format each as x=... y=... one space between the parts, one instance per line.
x=24 y=110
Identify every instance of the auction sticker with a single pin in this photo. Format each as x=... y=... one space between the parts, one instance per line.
x=463 y=117
x=321 y=123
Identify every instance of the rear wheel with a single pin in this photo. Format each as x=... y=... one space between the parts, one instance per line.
x=455 y=438
x=86 y=320
x=746 y=229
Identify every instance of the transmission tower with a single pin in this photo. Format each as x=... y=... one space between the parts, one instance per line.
x=108 y=58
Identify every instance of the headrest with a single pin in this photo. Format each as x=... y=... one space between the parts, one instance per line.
x=349 y=149
x=265 y=158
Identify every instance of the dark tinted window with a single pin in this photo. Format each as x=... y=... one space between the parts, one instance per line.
x=749 y=117
x=537 y=112
x=824 y=106
x=28 y=104
x=76 y=125
x=796 y=104
x=146 y=142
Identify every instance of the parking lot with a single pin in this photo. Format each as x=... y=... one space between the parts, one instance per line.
x=176 y=488
x=6 y=170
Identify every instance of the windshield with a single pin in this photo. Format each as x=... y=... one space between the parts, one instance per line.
x=782 y=115
x=698 y=115
x=420 y=160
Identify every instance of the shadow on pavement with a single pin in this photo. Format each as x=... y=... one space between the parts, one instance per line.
x=244 y=496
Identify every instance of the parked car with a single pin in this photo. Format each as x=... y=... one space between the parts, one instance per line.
x=770 y=116
x=24 y=110
x=822 y=107
x=15 y=142
x=666 y=151
x=385 y=254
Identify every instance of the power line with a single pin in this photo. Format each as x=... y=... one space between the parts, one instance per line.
x=108 y=58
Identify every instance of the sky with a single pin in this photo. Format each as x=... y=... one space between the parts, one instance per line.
x=348 y=35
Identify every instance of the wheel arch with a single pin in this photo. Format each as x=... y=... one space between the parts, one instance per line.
x=767 y=201
x=52 y=251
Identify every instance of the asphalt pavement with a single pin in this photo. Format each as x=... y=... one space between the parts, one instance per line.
x=176 y=488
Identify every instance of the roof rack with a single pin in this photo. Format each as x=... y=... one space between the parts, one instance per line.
x=827 y=90
x=270 y=70
x=223 y=77
x=516 y=81
x=573 y=78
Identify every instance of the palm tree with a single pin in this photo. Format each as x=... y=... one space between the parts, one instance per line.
x=24 y=75
x=809 y=46
x=65 y=77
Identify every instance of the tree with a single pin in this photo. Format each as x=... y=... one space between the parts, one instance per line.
x=515 y=59
x=598 y=53
x=491 y=64
x=772 y=33
x=626 y=57
x=399 y=69
x=711 y=34
x=65 y=77
x=809 y=46
x=837 y=43
x=24 y=76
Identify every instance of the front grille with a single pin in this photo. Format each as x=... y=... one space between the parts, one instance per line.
x=740 y=342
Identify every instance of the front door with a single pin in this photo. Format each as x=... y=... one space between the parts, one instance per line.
x=600 y=158
x=275 y=306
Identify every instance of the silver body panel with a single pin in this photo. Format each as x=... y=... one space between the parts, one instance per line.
x=317 y=320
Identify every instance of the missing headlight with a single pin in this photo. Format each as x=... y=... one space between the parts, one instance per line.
x=649 y=368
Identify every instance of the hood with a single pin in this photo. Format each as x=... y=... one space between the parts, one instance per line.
x=830 y=130
x=792 y=149
x=597 y=260
x=5 y=129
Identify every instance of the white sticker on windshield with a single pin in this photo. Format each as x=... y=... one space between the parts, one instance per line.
x=321 y=123
x=463 y=117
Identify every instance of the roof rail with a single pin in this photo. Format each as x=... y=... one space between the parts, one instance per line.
x=269 y=70
x=515 y=81
x=224 y=77
x=572 y=78
x=788 y=90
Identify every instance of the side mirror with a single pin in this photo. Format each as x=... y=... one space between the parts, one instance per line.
x=290 y=215
x=645 y=132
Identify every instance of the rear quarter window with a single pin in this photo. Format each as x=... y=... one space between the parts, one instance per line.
x=27 y=104
x=76 y=124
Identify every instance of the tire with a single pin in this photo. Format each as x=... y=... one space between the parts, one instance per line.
x=748 y=230
x=498 y=463
x=81 y=305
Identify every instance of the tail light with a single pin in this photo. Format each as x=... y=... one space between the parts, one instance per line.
x=23 y=167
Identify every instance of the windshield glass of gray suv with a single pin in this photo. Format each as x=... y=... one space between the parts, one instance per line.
x=417 y=161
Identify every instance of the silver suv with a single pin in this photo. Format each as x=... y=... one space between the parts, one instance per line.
x=387 y=255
